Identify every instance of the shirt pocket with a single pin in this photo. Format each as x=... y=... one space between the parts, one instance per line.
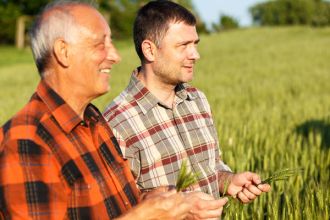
x=84 y=188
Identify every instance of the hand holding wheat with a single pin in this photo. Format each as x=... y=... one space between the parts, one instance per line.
x=242 y=194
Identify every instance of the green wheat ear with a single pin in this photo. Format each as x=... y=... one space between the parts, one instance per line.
x=226 y=185
x=276 y=176
x=281 y=175
x=185 y=178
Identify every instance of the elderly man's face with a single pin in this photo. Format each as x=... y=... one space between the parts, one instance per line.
x=93 y=54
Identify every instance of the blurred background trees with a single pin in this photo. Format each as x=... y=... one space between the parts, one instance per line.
x=121 y=13
x=226 y=22
x=292 y=12
x=10 y=11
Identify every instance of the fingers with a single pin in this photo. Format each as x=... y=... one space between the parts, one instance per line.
x=246 y=186
x=242 y=197
x=251 y=196
x=169 y=205
x=256 y=179
x=201 y=195
x=252 y=189
x=205 y=201
x=158 y=191
x=251 y=192
x=264 y=187
x=176 y=205
x=206 y=214
x=215 y=204
x=169 y=193
x=205 y=206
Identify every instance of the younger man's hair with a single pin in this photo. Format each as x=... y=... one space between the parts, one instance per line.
x=153 y=19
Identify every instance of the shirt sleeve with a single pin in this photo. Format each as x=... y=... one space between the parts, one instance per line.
x=130 y=153
x=219 y=164
x=30 y=187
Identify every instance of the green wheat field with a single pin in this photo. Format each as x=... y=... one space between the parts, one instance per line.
x=269 y=89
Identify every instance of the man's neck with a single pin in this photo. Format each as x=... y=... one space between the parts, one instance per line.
x=162 y=91
x=68 y=93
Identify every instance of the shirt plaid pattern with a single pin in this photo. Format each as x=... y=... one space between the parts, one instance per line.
x=156 y=139
x=53 y=165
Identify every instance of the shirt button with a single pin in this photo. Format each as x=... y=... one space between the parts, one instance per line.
x=126 y=203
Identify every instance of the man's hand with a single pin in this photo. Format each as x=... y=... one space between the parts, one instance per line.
x=245 y=186
x=204 y=206
x=154 y=192
x=163 y=205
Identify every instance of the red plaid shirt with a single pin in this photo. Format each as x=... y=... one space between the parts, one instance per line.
x=156 y=139
x=53 y=165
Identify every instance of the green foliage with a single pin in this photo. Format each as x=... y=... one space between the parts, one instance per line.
x=9 y=13
x=292 y=12
x=269 y=92
x=120 y=15
x=26 y=7
x=10 y=10
x=123 y=12
x=226 y=23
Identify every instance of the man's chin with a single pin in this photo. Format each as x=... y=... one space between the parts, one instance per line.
x=189 y=77
x=103 y=91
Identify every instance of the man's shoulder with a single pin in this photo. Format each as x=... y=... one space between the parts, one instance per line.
x=194 y=92
x=25 y=120
x=118 y=105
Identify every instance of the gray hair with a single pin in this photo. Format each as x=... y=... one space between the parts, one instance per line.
x=46 y=29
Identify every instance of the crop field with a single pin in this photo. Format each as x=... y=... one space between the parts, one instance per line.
x=269 y=89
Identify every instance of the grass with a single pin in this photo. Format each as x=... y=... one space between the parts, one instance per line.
x=270 y=95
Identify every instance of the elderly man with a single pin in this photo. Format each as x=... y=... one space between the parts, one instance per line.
x=161 y=121
x=59 y=159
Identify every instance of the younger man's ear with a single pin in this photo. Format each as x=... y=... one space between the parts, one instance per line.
x=61 y=52
x=148 y=50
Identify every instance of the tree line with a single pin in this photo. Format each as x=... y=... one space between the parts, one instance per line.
x=292 y=12
x=121 y=13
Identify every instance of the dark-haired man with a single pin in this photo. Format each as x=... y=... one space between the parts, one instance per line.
x=160 y=120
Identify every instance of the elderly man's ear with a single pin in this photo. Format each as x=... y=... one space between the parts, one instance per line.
x=61 y=52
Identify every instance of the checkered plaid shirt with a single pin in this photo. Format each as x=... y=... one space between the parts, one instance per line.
x=156 y=139
x=53 y=165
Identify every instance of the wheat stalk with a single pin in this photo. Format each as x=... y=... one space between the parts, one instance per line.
x=281 y=175
x=185 y=178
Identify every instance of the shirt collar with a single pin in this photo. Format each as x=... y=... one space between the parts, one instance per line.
x=146 y=100
x=66 y=117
